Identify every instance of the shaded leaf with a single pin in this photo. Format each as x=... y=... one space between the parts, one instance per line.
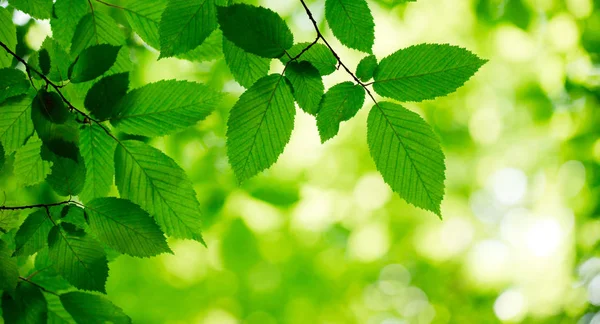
x=13 y=83
x=307 y=85
x=93 y=62
x=67 y=176
x=74 y=215
x=210 y=49
x=27 y=307
x=102 y=98
x=245 y=67
x=366 y=68
x=424 y=72
x=29 y=167
x=256 y=30
x=408 y=155
x=260 y=126
x=318 y=55
x=339 y=104
x=44 y=58
x=154 y=181
x=125 y=227
x=78 y=258
x=40 y=9
x=144 y=18
x=9 y=273
x=95 y=29
x=15 y=122
x=8 y=36
x=64 y=21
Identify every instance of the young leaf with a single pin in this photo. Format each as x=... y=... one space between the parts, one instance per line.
x=164 y=107
x=424 y=71
x=256 y=30
x=339 y=104
x=8 y=36
x=102 y=98
x=97 y=150
x=15 y=122
x=67 y=176
x=318 y=55
x=125 y=227
x=366 y=67
x=245 y=67
x=27 y=306
x=95 y=29
x=154 y=181
x=32 y=236
x=78 y=258
x=260 y=126
x=352 y=23
x=144 y=18
x=93 y=62
x=307 y=85
x=40 y=9
x=185 y=24
x=9 y=272
x=67 y=14
x=13 y=83
x=407 y=154
x=94 y=309
x=29 y=167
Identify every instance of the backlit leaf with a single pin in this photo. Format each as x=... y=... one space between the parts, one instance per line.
x=352 y=23
x=339 y=104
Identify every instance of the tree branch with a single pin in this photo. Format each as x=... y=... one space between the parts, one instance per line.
x=34 y=284
x=36 y=206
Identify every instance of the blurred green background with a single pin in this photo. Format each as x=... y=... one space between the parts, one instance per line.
x=320 y=238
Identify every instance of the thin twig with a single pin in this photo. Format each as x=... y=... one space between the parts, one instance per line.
x=35 y=206
x=42 y=288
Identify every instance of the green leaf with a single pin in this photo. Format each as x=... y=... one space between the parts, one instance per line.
x=9 y=219
x=40 y=9
x=164 y=107
x=56 y=312
x=15 y=122
x=67 y=14
x=366 y=68
x=125 y=227
x=97 y=150
x=352 y=23
x=318 y=55
x=407 y=154
x=58 y=64
x=210 y=49
x=78 y=258
x=32 y=236
x=102 y=98
x=154 y=181
x=8 y=36
x=51 y=106
x=59 y=139
x=260 y=126
x=2 y=156
x=185 y=24
x=27 y=307
x=144 y=18
x=93 y=62
x=93 y=309
x=339 y=104
x=307 y=85
x=67 y=176
x=29 y=167
x=256 y=30
x=9 y=273
x=424 y=71
x=13 y=83
x=245 y=67
x=95 y=29
x=74 y=215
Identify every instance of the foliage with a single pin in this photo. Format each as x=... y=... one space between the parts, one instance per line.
x=70 y=121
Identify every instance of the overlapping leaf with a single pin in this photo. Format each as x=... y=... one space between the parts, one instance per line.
x=32 y=236
x=144 y=18
x=407 y=154
x=164 y=107
x=260 y=126
x=339 y=104
x=15 y=122
x=366 y=68
x=307 y=85
x=318 y=55
x=154 y=181
x=245 y=67
x=8 y=36
x=88 y=308
x=93 y=62
x=9 y=273
x=97 y=150
x=40 y=9
x=95 y=29
x=125 y=227
x=67 y=14
x=102 y=98
x=13 y=82
x=78 y=258
x=28 y=305
x=424 y=71
x=29 y=167
x=256 y=30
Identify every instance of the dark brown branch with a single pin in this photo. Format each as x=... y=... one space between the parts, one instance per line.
x=34 y=284
x=35 y=206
